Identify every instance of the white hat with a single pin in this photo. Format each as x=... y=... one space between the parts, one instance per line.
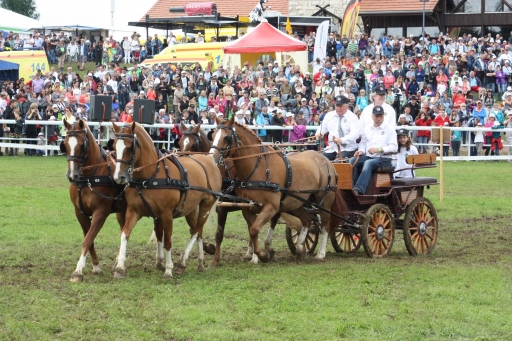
x=326 y=82
x=402 y=116
x=495 y=124
x=89 y=74
x=200 y=74
x=142 y=91
x=307 y=73
x=305 y=100
x=40 y=134
x=492 y=115
x=289 y=114
x=509 y=88
x=123 y=75
x=212 y=110
x=220 y=114
x=451 y=58
x=55 y=106
x=334 y=68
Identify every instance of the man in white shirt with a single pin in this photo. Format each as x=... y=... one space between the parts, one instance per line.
x=366 y=118
x=343 y=128
x=377 y=140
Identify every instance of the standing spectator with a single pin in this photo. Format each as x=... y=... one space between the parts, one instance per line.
x=263 y=119
x=508 y=124
x=456 y=139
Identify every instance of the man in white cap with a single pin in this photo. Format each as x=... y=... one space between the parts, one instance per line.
x=366 y=118
x=377 y=140
x=342 y=125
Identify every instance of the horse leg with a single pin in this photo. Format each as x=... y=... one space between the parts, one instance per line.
x=158 y=231
x=250 y=256
x=85 y=223
x=192 y=222
x=120 y=220
x=325 y=230
x=130 y=221
x=167 y=224
x=222 y=214
x=265 y=215
x=270 y=234
x=305 y=219
x=204 y=211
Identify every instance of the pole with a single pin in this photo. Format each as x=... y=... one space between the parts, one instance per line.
x=441 y=165
x=423 y=24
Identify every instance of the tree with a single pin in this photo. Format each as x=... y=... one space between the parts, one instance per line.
x=24 y=7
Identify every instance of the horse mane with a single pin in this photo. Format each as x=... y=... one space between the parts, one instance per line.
x=251 y=132
x=142 y=133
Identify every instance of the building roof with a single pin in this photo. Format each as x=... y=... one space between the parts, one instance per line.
x=226 y=8
x=395 y=6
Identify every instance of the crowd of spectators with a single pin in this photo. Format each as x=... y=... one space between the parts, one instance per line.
x=446 y=81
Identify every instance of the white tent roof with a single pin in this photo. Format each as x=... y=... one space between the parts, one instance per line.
x=13 y=20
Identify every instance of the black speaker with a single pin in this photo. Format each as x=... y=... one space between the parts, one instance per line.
x=101 y=108
x=144 y=111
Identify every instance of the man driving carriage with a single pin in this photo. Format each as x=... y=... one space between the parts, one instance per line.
x=377 y=140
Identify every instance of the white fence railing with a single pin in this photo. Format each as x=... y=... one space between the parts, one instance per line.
x=168 y=142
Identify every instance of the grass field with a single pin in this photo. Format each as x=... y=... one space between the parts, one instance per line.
x=462 y=291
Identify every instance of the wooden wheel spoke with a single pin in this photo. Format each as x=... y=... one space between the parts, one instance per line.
x=427 y=222
x=371 y=234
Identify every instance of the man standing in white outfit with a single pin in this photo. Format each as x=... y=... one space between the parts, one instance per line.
x=379 y=99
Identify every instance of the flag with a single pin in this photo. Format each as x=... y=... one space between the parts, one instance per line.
x=350 y=18
x=322 y=35
x=288 y=26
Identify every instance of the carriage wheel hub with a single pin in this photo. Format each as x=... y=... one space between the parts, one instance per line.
x=380 y=232
x=422 y=229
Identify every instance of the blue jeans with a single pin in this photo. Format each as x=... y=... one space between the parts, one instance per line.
x=423 y=139
x=53 y=57
x=362 y=171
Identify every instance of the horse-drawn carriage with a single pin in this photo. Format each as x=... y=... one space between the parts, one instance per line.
x=312 y=195
x=388 y=204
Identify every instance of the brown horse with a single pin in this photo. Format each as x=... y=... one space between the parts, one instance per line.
x=92 y=189
x=163 y=188
x=194 y=139
x=279 y=183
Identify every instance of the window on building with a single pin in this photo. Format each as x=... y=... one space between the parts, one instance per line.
x=378 y=33
x=395 y=31
x=469 y=6
x=497 y=6
x=474 y=31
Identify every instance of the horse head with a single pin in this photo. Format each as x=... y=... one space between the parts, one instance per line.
x=192 y=139
x=224 y=138
x=127 y=147
x=75 y=146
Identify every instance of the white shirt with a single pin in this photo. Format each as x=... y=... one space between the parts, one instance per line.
x=367 y=120
x=349 y=125
x=401 y=163
x=379 y=137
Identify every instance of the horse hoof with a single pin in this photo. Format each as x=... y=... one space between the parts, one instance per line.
x=247 y=257
x=319 y=259
x=271 y=254
x=97 y=272
x=179 y=269
x=200 y=268
x=209 y=249
x=119 y=273
x=76 y=277
x=160 y=266
x=168 y=275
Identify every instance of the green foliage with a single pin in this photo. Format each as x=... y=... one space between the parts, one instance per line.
x=25 y=7
x=460 y=292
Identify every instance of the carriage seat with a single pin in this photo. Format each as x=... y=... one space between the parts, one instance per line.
x=416 y=181
x=382 y=169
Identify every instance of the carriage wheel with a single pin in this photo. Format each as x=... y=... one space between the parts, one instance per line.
x=311 y=239
x=420 y=227
x=378 y=231
x=345 y=242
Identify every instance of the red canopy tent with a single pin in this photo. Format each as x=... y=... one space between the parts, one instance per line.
x=265 y=38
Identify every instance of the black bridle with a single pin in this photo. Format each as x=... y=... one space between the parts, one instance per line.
x=80 y=159
x=197 y=143
x=232 y=137
x=131 y=163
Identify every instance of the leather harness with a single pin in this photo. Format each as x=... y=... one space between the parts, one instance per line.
x=92 y=180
